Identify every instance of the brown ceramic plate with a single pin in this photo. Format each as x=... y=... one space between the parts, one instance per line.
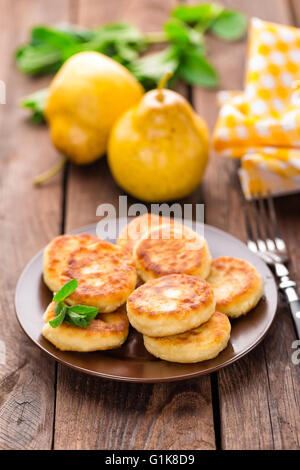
x=131 y=362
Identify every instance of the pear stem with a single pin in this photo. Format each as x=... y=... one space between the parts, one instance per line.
x=162 y=84
x=49 y=173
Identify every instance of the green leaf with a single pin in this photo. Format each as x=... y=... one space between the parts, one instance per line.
x=76 y=32
x=55 y=38
x=126 y=52
x=36 y=102
x=151 y=68
x=119 y=32
x=196 y=70
x=230 y=25
x=202 y=13
x=38 y=59
x=83 y=310
x=65 y=291
x=50 y=47
x=115 y=37
x=177 y=31
x=76 y=315
x=181 y=34
x=77 y=320
x=46 y=50
x=60 y=312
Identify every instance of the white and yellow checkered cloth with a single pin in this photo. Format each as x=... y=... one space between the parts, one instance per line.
x=261 y=125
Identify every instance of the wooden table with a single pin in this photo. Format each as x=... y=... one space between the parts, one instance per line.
x=253 y=404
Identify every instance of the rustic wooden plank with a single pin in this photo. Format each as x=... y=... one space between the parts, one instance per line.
x=259 y=394
x=124 y=416
x=96 y=414
x=295 y=11
x=29 y=218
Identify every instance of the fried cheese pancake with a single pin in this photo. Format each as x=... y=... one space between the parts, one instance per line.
x=170 y=305
x=56 y=256
x=237 y=285
x=105 y=272
x=137 y=228
x=172 y=249
x=133 y=231
x=106 y=331
x=200 y=344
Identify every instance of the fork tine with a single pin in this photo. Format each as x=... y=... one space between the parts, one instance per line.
x=250 y=234
x=280 y=244
x=265 y=222
x=259 y=212
x=257 y=217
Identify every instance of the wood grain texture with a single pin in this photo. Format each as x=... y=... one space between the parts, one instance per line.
x=259 y=394
x=29 y=218
x=96 y=414
x=295 y=11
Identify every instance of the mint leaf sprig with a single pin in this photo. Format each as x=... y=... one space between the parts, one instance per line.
x=50 y=46
x=182 y=39
x=75 y=315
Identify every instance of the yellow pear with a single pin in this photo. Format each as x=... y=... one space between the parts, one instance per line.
x=86 y=97
x=158 y=150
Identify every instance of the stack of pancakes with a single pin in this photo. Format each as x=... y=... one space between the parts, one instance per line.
x=183 y=300
x=106 y=276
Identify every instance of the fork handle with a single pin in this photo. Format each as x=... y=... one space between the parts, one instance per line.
x=295 y=309
x=288 y=288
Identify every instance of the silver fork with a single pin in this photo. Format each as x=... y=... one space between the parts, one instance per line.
x=264 y=240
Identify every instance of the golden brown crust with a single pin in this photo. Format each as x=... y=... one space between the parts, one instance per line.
x=199 y=344
x=106 y=331
x=237 y=285
x=56 y=256
x=105 y=272
x=134 y=231
x=170 y=305
x=137 y=228
x=169 y=250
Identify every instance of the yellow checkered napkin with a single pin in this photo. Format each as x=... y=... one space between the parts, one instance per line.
x=270 y=169
x=266 y=114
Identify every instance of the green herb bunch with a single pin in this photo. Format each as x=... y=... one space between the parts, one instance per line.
x=183 y=37
x=76 y=315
